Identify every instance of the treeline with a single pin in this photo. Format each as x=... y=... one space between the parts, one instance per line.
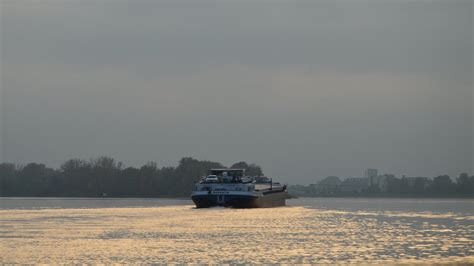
x=439 y=185
x=106 y=177
x=390 y=186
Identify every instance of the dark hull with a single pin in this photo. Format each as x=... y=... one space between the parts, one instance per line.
x=268 y=200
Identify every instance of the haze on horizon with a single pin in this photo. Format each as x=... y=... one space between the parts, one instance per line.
x=305 y=90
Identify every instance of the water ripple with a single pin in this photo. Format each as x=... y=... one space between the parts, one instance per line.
x=182 y=234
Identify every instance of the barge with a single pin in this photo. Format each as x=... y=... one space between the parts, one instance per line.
x=232 y=188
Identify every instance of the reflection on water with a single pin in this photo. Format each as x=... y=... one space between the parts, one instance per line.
x=182 y=234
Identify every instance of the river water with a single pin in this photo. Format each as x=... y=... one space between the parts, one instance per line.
x=316 y=230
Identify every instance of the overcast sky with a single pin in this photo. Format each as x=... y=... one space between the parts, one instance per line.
x=304 y=89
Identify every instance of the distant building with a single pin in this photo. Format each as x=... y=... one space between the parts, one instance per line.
x=382 y=182
x=354 y=185
x=328 y=185
x=418 y=182
x=379 y=182
x=371 y=175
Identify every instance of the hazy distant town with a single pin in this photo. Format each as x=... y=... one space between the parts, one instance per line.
x=373 y=184
x=106 y=177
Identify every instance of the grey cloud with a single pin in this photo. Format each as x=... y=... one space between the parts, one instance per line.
x=359 y=37
x=304 y=89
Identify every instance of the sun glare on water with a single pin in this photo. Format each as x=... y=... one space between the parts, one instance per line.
x=183 y=234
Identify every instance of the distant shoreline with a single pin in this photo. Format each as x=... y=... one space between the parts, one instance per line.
x=391 y=197
x=76 y=197
x=388 y=196
x=95 y=198
x=292 y=197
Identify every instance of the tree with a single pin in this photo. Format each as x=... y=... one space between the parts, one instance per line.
x=250 y=169
x=36 y=179
x=419 y=185
x=8 y=184
x=77 y=179
x=465 y=184
x=240 y=165
x=404 y=186
x=126 y=183
x=104 y=176
x=148 y=179
x=442 y=184
x=254 y=170
x=394 y=185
